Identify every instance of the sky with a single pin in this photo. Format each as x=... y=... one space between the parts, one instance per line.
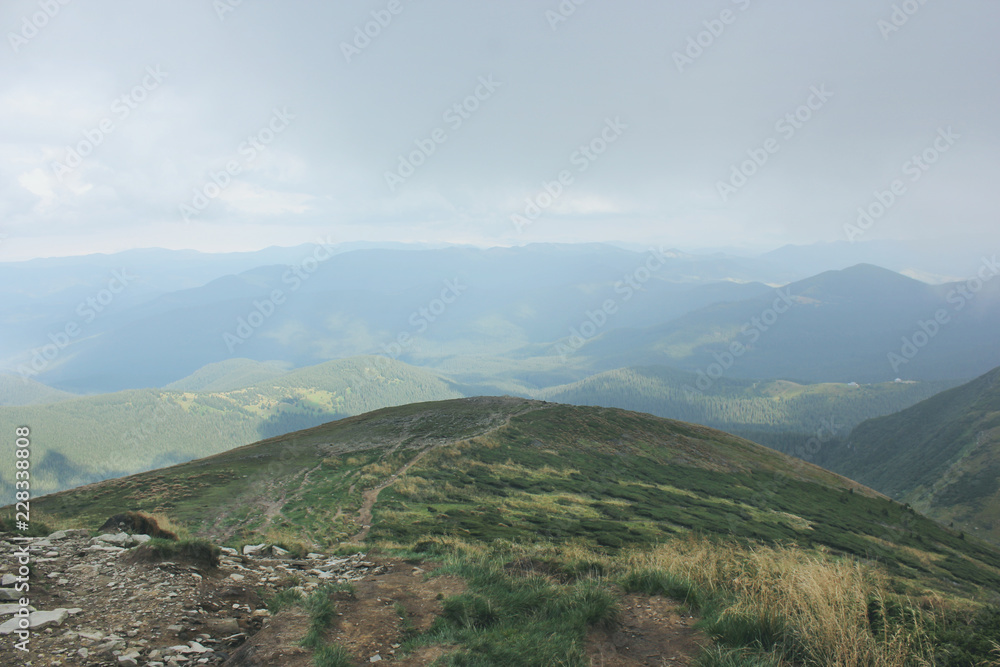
x=226 y=125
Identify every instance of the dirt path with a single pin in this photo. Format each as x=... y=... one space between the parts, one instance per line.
x=369 y=497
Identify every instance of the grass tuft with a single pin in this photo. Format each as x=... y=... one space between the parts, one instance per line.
x=283 y=600
x=196 y=552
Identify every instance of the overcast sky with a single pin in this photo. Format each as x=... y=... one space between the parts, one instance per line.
x=115 y=114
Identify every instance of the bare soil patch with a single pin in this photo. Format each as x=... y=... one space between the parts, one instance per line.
x=653 y=632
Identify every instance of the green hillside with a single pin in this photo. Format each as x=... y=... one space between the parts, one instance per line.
x=559 y=517
x=941 y=455
x=226 y=405
x=96 y=437
x=15 y=390
x=505 y=468
x=773 y=413
x=230 y=374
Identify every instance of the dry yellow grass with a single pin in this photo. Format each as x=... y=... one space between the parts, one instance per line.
x=824 y=601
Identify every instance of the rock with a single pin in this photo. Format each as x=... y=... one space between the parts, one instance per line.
x=12 y=608
x=132 y=659
x=85 y=568
x=141 y=539
x=9 y=594
x=119 y=539
x=36 y=620
x=255 y=549
x=236 y=577
x=278 y=552
x=8 y=580
x=195 y=647
x=223 y=626
x=312 y=556
x=375 y=658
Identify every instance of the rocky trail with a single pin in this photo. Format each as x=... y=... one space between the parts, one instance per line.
x=92 y=602
x=95 y=602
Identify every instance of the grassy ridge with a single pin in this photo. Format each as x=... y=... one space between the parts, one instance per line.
x=505 y=468
x=785 y=562
x=89 y=439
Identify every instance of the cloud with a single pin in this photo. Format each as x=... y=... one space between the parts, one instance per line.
x=326 y=172
x=260 y=201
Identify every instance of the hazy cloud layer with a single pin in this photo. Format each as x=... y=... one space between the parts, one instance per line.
x=235 y=125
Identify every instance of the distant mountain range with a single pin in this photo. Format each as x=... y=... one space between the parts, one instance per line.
x=863 y=324
x=530 y=317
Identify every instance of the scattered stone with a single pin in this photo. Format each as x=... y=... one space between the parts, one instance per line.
x=119 y=539
x=254 y=549
x=36 y=620
x=12 y=608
